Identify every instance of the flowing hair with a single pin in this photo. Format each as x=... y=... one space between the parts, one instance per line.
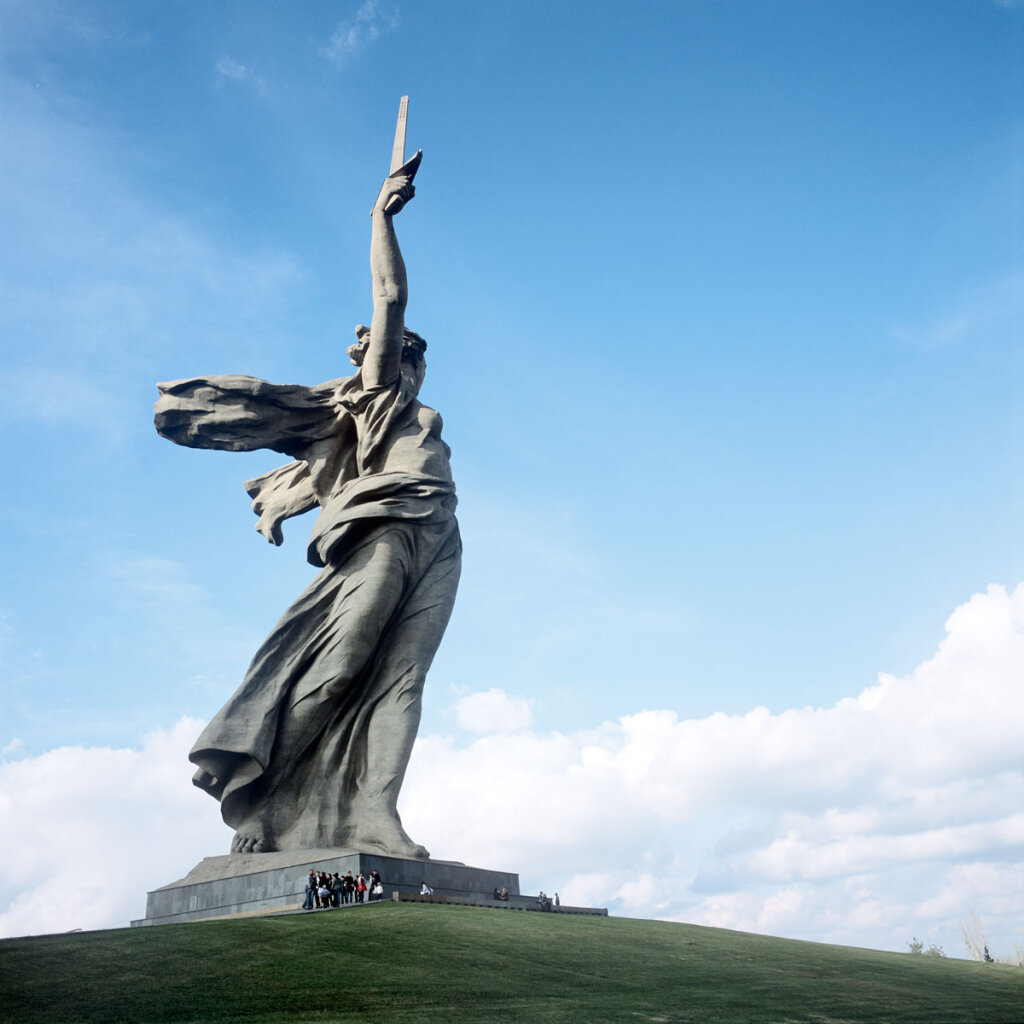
x=413 y=347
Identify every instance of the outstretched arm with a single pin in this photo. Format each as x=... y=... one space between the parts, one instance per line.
x=382 y=362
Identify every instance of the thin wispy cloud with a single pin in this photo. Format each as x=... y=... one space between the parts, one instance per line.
x=355 y=34
x=977 y=314
x=230 y=70
x=121 y=273
x=227 y=67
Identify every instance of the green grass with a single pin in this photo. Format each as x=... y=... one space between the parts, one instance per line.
x=410 y=963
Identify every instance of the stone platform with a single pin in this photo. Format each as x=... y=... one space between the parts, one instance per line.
x=242 y=883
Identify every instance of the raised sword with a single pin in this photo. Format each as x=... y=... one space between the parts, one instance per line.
x=399 y=166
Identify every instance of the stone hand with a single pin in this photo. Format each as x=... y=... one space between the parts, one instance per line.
x=394 y=194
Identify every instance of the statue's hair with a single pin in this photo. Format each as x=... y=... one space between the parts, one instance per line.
x=413 y=347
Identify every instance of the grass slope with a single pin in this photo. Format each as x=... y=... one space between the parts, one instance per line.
x=409 y=963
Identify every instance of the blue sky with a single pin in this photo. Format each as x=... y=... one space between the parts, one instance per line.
x=724 y=304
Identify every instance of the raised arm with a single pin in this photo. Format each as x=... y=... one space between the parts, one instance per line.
x=383 y=358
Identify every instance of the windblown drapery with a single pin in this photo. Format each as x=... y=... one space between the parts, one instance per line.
x=348 y=659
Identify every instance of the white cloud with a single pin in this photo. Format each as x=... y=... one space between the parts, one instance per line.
x=229 y=69
x=354 y=35
x=101 y=826
x=492 y=711
x=891 y=814
x=760 y=821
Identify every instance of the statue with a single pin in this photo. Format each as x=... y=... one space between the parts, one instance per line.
x=311 y=750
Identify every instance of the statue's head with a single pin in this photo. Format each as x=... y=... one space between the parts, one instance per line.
x=413 y=347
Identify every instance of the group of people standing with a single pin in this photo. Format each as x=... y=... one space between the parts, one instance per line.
x=545 y=902
x=324 y=890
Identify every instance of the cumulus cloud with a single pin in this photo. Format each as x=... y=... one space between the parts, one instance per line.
x=492 y=711
x=355 y=34
x=100 y=826
x=841 y=823
x=893 y=813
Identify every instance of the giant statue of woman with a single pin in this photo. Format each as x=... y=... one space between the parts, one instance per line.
x=311 y=750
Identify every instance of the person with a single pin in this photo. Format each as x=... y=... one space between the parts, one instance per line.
x=311 y=750
x=497 y=893
x=361 y=888
x=558 y=902
x=425 y=890
x=504 y=894
x=374 y=885
x=310 y=890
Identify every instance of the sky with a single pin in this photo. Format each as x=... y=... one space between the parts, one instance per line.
x=724 y=303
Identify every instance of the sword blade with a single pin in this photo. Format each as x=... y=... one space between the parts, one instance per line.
x=398 y=153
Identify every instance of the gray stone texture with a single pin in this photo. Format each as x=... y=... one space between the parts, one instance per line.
x=311 y=750
x=247 y=883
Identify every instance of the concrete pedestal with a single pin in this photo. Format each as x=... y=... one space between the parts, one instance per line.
x=252 y=882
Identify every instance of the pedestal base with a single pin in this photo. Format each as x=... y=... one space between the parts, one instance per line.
x=243 y=883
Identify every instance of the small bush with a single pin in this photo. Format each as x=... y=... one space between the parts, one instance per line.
x=916 y=946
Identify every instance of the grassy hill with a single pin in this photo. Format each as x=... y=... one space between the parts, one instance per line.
x=412 y=963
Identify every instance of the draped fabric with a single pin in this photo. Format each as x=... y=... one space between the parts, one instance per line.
x=350 y=656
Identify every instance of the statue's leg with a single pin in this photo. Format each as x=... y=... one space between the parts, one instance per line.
x=323 y=670
x=398 y=691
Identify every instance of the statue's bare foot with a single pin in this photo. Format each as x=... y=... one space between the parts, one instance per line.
x=243 y=843
x=385 y=835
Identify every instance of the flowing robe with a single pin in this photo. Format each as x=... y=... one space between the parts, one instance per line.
x=353 y=650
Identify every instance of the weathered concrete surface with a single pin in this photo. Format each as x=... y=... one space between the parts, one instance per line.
x=512 y=903
x=312 y=749
x=242 y=883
